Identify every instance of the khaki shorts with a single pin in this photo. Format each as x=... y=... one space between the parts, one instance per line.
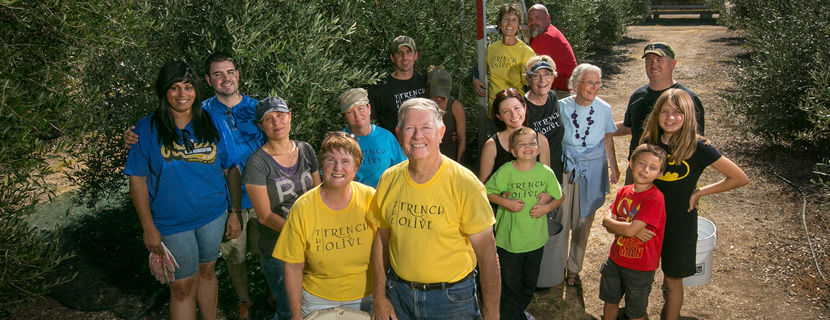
x=234 y=250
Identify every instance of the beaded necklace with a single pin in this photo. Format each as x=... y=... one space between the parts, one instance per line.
x=590 y=121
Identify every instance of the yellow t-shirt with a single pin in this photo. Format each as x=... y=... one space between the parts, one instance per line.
x=334 y=245
x=505 y=65
x=431 y=222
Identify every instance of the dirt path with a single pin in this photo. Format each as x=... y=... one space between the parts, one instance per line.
x=761 y=266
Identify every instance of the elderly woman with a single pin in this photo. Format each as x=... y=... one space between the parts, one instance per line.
x=275 y=176
x=180 y=191
x=506 y=58
x=543 y=108
x=586 y=143
x=326 y=243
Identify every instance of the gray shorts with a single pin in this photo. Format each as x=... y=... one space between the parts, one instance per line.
x=635 y=285
x=234 y=250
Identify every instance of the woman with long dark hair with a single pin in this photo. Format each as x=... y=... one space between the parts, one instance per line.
x=180 y=181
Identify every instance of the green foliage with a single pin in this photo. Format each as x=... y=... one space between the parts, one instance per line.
x=777 y=77
x=594 y=24
x=79 y=72
x=32 y=110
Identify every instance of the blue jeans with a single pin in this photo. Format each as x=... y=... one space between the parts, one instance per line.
x=275 y=274
x=456 y=302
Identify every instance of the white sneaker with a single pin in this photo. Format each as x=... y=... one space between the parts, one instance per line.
x=529 y=316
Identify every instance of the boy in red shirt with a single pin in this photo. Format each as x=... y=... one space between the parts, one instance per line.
x=637 y=219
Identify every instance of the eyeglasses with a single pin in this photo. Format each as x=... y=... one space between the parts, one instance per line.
x=539 y=76
x=592 y=83
x=230 y=119
x=188 y=145
x=341 y=134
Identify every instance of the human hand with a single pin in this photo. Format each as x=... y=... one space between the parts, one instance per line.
x=455 y=136
x=693 y=200
x=644 y=235
x=479 y=87
x=130 y=138
x=233 y=227
x=152 y=241
x=514 y=205
x=382 y=309
x=615 y=175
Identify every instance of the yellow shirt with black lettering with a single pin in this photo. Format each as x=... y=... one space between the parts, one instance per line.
x=430 y=223
x=335 y=245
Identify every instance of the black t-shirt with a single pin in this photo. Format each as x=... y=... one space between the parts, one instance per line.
x=677 y=185
x=389 y=93
x=641 y=104
x=545 y=119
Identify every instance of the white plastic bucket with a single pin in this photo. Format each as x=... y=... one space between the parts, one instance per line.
x=551 y=270
x=707 y=236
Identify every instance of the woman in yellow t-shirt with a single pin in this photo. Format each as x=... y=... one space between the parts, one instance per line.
x=326 y=242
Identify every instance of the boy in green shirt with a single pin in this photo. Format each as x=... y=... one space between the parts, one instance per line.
x=521 y=227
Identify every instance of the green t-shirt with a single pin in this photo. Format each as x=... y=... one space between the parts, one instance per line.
x=518 y=232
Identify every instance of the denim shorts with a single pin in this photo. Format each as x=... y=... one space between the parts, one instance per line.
x=313 y=303
x=635 y=285
x=193 y=247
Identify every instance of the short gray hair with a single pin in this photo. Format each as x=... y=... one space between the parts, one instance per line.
x=421 y=104
x=539 y=6
x=579 y=70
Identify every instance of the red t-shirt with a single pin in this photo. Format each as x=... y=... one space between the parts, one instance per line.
x=647 y=206
x=554 y=44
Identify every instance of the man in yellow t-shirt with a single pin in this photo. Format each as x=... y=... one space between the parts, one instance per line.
x=434 y=224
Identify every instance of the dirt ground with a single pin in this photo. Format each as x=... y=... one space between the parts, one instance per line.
x=762 y=269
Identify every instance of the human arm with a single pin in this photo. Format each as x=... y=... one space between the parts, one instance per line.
x=735 y=177
x=382 y=308
x=622 y=130
x=512 y=205
x=234 y=180
x=140 y=195
x=484 y=245
x=479 y=87
x=460 y=129
x=544 y=149
x=294 y=288
x=611 y=154
x=262 y=206
x=627 y=229
x=487 y=160
x=541 y=209
x=130 y=138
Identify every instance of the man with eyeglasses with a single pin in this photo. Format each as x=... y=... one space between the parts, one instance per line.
x=238 y=111
x=380 y=148
x=660 y=61
x=546 y=39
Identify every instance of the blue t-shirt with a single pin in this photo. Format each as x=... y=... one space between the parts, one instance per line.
x=241 y=120
x=603 y=122
x=380 y=151
x=187 y=188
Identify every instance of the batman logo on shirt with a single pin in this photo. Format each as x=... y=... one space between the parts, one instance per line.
x=675 y=172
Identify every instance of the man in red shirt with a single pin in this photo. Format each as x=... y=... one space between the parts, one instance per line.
x=546 y=39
